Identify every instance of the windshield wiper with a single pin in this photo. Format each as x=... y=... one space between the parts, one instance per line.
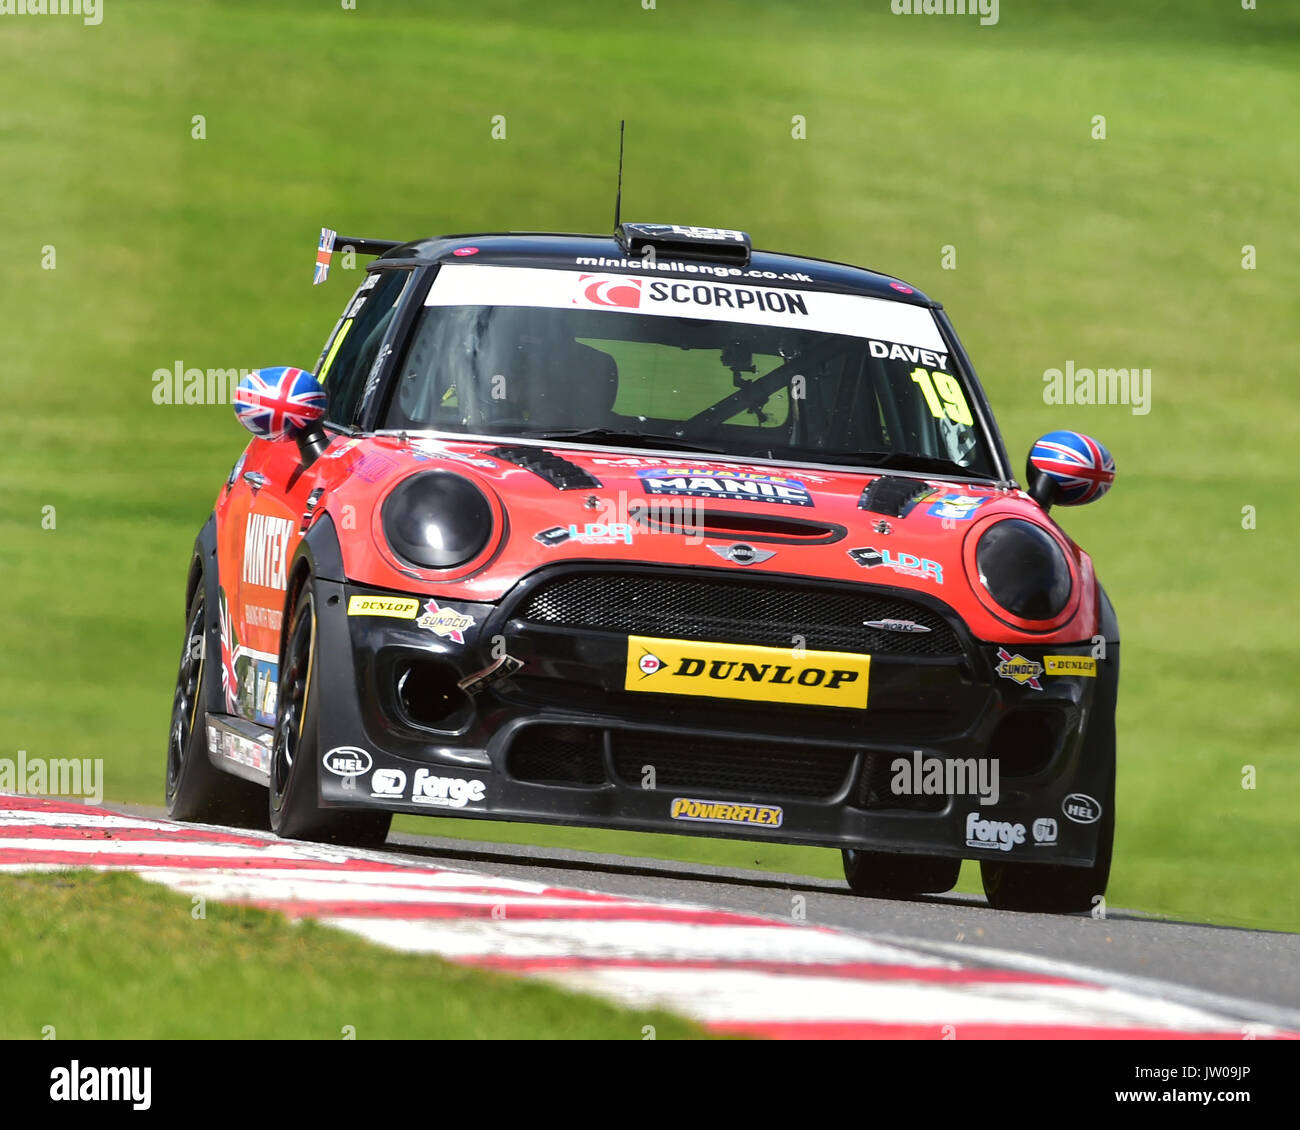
x=618 y=437
x=901 y=460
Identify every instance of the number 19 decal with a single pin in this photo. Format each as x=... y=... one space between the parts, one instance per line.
x=936 y=385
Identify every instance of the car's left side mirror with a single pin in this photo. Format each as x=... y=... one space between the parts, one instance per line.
x=284 y=403
x=1069 y=469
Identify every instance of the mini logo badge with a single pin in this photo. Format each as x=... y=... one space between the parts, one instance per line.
x=1044 y=830
x=896 y=625
x=347 y=761
x=742 y=553
x=445 y=622
x=1081 y=808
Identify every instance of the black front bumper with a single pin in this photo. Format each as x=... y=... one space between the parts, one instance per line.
x=562 y=741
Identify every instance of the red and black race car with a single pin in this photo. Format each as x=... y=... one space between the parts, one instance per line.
x=662 y=533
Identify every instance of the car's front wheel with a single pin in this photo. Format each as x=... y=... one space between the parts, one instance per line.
x=195 y=788
x=1050 y=888
x=880 y=874
x=295 y=749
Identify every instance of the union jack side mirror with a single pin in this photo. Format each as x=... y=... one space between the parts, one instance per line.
x=280 y=403
x=1068 y=469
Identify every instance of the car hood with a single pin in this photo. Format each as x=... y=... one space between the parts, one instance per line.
x=577 y=502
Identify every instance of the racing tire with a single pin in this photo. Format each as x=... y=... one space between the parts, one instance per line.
x=881 y=874
x=294 y=810
x=197 y=790
x=1050 y=888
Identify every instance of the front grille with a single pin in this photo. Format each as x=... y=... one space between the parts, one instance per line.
x=558 y=755
x=737 y=611
x=723 y=765
x=874 y=791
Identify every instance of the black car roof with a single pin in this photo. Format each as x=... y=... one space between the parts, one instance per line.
x=565 y=250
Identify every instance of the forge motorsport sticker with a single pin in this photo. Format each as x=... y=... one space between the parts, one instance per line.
x=747 y=486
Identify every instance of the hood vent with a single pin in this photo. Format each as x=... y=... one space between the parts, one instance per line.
x=547 y=465
x=893 y=495
x=750 y=527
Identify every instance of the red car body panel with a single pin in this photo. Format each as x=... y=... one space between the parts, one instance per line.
x=356 y=475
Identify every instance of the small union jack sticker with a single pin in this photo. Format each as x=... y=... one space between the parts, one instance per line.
x=323 y=255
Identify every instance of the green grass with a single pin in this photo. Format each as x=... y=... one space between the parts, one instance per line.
x=921 y=133
x=92 y=955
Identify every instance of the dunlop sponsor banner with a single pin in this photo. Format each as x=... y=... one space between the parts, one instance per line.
x=726 y=812
x=757 y=674
x=401 y=607
x=1084 y=665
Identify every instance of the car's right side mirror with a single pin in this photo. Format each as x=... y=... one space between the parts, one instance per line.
x=1069 y=469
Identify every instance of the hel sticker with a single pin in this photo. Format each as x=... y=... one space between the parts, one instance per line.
x=347 y=761
x=726 y=812
x=757 y=674
x=400 y=607
x=1081 y=808
x=1083 y=665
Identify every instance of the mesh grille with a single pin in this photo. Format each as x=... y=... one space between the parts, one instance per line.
x=737 y=611
x=749 y=768
x=557 y=755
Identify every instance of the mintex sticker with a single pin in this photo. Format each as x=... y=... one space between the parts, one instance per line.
x=855 y=315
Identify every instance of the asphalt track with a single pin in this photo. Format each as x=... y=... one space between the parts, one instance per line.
x=1250 y=977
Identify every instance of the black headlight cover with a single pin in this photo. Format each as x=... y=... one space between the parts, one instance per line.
x=1024 y=569
x=436 y=520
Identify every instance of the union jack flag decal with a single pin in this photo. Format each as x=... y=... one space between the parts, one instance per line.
x=1080 y=467
x=323 y=254
x=229 y=654
x=280 y=402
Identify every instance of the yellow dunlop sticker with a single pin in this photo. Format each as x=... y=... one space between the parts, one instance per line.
x=725 y=812
x=758 y=674
x=402 y=607
x=1084 y=665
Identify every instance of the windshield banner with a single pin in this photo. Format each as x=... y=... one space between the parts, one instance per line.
x=854 y=315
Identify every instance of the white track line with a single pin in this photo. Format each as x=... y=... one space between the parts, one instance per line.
x=720 y=967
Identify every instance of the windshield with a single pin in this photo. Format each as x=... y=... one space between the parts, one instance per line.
x=625 y=360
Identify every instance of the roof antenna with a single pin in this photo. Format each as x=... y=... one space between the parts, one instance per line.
x=618 y=200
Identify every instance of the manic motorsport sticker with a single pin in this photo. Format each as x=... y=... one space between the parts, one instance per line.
x=701 y=482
